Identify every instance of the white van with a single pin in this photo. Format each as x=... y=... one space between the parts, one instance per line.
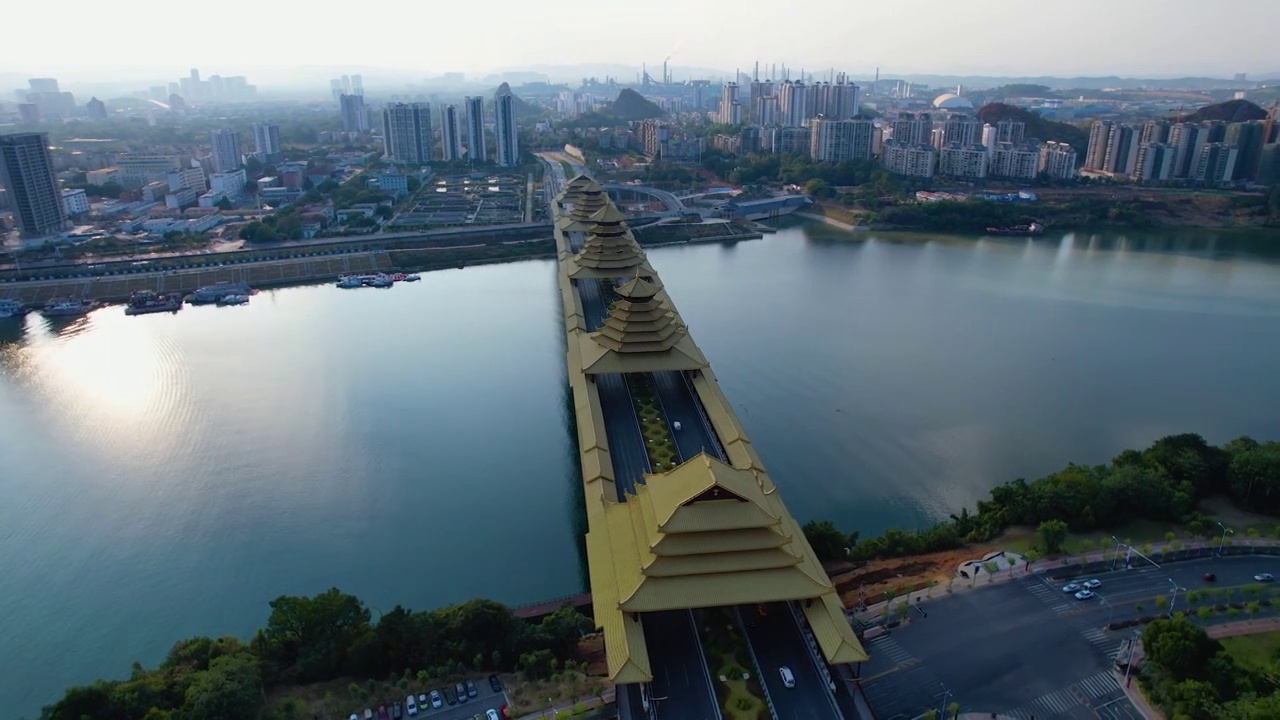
x=788 y=680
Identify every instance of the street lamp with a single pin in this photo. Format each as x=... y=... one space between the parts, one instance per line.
x=1174 y=599
x=1116 y=558
x=1133 y=643
x=1223 y=541
x=1111 y=610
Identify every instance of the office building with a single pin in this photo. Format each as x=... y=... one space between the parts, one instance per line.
x=354 y=116
x=266 y=141
x=26 y=170
x=477 y=152
x=226 y=150
x=507 y=133
x=840 y=140
x=1217 y=163
x=730 y=110
x=406 y=133
x=450 y=135
x=1020 y=162
x=1057 y=161
x=918 y=160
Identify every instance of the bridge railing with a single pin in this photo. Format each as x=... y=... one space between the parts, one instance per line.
x=755 y=663
x=815 y=656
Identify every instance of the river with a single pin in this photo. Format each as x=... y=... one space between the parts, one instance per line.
x=166 y=476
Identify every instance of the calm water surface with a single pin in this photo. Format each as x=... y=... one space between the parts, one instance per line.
x=166 y=476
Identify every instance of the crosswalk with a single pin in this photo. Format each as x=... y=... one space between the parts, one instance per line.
x=1108 y=642
x=887 y=651
x=1055 y=599
x=1099 y=685
x=1050 y=705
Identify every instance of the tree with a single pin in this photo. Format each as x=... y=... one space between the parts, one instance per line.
x=537 y=665
x=819 y=188
x=223 y=204
x=310 y=637
x=562 y=629
x=1052 y=534
x=827 y=541
x=230 y=688
x=1178 y=647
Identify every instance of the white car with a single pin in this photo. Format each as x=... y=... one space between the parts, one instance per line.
x=1264 y=577
x=492 y=714
x=436 y=702
x=1070 y=587
x=410 y=705
x=1084 y=594
x=1093 y=584
x=788 y=680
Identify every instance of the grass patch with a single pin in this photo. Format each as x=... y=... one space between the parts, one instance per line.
x=1255 y=652
x=737 y=689
x=658 y=443
x=564 y=688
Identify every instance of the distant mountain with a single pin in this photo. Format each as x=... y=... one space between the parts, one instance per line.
x=1229 y=111
x=1037 y=127
x=631 y=105
x=522 y=107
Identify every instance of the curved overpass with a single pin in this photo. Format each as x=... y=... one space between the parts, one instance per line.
x=674 y=204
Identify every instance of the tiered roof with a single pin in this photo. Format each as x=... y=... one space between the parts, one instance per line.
x=610 y=250
x=640 y=334
x=705 y=535
x=587 y=198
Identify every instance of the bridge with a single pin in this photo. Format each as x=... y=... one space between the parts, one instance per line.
x=687 y=533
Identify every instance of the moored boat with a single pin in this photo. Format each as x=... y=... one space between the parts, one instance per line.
x=216 y=292
x=67 y=308
x=233 y=300
x=1034 y=228
x=142 y=302
x=11 y=308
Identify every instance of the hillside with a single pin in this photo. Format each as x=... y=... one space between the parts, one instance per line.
x=631 y=105
x=1229 y=111
x=1037 y=127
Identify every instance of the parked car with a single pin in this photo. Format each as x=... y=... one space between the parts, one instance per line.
x=1084 y=595
x=788 y=680
x=449 y=696
x=382 y=713
x=492 y=714
x=1070 y=587
x=496 y=683
x=462 y=692
x=423 y=702
x=411 y=705
x=471 y=689
x=1264 y=577
x=368 y=714
x=436 y=701
x=1210 y=577
x=1093 y=584
x=397 y=711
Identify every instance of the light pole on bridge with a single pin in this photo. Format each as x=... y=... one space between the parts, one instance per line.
x=1223 y=541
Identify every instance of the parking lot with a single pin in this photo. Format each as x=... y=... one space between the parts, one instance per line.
x=471 y=709
x=1028 y=648
x=469 y=199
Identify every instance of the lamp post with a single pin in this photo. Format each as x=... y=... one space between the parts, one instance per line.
x=1173 y=599
x=551 y=703
x=1223 y=541
x=1116 y=558
x=1111 y=610
x=1133 y=643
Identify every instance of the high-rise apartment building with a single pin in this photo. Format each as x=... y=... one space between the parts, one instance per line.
x=1057 y=161
x=956 y=129
x=1187 y=140
x=450 y=135
x=226 y=150
x=406 y=133
x=793 y=107
x=476 y=150
x=1154 y=131
x=95 y=109
x=1011 y=131
x=1154 y=162
x=266 y=140
x=834 y=100
x=1217 y=163
x=354 y=116
x=915 y=160
x=730 y=110
x=1247 y=136
x=840 y=140
x=791 y=140
x=911 y=129
x=1122 y=150
x=1014 y=161
x=506 y=130
x=26 y=170
x=964 y=161
x=1096 y=154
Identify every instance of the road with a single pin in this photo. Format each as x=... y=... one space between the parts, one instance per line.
x=485 y=699
x=680 y=405
x=1025 y=647
x=680 y=681
x=777 y=642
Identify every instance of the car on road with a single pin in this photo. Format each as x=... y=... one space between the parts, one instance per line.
x=492 y=714
x=1210 y=577
x=436 y=701
x=788 y=680
x=471 y=689
x=411 y=705
x=1093 y=584
x=1084 y=595
x=462 y=692
x=1264 y=577
x=1070 y=587
x=495 y=683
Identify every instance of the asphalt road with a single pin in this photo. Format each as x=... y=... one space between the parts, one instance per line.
x=680 y=681
x=1025 y=647
x=462 y=711
x=680 y=405
x=777 y=642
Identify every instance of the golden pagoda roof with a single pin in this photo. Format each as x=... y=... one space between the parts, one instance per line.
x=640 y=334
x=609 y=251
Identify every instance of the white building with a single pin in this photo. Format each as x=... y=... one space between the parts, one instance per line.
x=507 y=132
x=192 y=177
x=181 y=198
x=450 y=134
x=963 y=161
x=266 y=140
x=1015 y=161
x=227 y=184
x=911 y=129
x=793 y=104
x=840 y=140
x=956 y=129
x=1057 y=160
x=476 y=149
x=729 y=101
x=406 y=133
x=1155 y=162
x=75 y=202
x=918 y=160
x=103 y=176
x=226 y=150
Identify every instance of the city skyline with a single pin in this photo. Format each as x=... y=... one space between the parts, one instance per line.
x=721 y=36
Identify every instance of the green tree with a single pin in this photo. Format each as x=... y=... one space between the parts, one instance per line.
x=562 y=629
x=1052 y=534
x=308 y=638
x=537 y=665
x=223 y=204
x=230 y=688
x=1178 y=647
x=827 y=541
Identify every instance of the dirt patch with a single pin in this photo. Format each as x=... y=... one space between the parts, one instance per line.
x=591 y=651
x=869 y=581
x=1223 y=511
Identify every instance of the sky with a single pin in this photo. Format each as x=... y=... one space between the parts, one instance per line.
x=1132 y=38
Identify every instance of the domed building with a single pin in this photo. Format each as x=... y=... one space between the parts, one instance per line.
x=952 y=102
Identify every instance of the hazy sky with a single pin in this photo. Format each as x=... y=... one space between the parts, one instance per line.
x=426 y=37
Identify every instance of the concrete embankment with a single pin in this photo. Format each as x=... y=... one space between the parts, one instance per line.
x=833 y=222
